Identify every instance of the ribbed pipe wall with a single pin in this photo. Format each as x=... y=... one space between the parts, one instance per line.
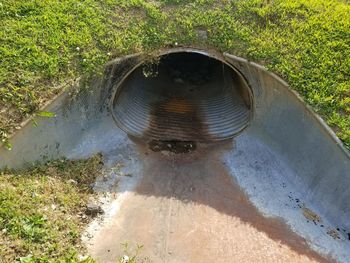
x=185 y=97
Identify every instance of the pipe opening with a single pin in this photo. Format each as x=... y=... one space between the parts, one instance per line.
x=185 y=96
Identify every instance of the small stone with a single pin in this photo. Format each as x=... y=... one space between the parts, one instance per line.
x=179 y=80
x=82 y=257
x=203 y=34
x=166 y=153
x=93 y=209
x=71 y=181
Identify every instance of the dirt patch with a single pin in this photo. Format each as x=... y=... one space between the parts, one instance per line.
x=333 y=233
x=310 y=215
x=172 y=146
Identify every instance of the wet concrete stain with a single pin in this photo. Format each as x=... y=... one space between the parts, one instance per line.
x=188 y=208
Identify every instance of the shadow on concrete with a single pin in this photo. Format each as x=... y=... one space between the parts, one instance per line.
x=196 y=179
x=202 y=178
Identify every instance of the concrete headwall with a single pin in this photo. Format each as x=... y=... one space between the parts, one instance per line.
x=300 y=137
x=55 y=137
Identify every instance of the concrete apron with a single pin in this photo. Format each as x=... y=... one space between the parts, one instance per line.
x=278 y=192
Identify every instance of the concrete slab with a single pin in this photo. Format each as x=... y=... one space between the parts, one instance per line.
x=188 y=208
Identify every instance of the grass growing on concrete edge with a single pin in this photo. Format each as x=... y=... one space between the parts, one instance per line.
x=42 y=210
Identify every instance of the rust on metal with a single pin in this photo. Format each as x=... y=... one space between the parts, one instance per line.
x=178 y=105
x=176 y=122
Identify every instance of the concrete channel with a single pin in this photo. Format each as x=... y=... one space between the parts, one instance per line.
x=225 y=162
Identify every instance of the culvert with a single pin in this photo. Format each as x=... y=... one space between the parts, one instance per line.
x=282 y=157
x=183 y=96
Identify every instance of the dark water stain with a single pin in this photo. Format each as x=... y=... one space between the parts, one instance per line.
x=201 y=178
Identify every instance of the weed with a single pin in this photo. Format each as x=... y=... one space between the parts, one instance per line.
x=132 y=255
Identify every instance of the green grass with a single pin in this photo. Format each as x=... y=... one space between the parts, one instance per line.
x=41 y=211
x=47 y=43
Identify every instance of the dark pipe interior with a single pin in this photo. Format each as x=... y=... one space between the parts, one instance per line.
x=183 y=97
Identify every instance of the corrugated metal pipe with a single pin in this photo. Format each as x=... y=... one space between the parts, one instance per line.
x=184 y=96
